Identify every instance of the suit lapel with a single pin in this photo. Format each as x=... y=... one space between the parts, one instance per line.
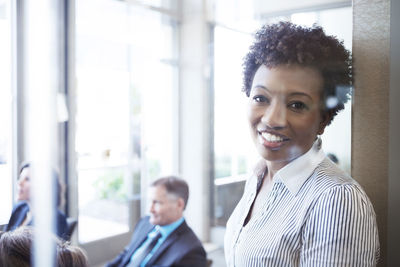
x=137 y=241
x=168 y=242
x=22 y=214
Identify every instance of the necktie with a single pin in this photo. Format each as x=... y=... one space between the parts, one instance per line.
x=142 y=252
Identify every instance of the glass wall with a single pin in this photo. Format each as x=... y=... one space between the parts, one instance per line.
x=126 y=79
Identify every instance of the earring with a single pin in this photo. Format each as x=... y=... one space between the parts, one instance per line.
x=318 y=142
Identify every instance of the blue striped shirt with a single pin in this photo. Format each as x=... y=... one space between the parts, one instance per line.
x=314 y=215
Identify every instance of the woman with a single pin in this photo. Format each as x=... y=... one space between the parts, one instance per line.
x=299 y=208
x=16 y=247
x=22 y=213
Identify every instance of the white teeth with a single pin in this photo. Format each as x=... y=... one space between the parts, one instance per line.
x=271 y=137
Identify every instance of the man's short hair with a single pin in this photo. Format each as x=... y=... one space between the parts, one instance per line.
x=174 y=186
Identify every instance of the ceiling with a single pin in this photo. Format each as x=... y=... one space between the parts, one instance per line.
x=269 y=8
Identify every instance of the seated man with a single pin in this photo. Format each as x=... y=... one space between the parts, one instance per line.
x=164 y=238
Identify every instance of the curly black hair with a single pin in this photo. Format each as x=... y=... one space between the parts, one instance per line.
x=285 y=43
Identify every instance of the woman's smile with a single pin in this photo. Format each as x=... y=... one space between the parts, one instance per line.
x=272 y=140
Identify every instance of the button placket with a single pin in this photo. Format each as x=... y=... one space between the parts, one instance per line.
x=272 y=195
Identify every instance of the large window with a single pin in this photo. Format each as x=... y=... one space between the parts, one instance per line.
x=233 y=148
x=126 y=84
x=5 y=113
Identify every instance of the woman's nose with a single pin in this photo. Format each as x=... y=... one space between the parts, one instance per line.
x=275 y=115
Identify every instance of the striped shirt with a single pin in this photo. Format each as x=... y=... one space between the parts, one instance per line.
x=314 y=215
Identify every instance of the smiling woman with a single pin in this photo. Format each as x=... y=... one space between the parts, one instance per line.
x=299 y=208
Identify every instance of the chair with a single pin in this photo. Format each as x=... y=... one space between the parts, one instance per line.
x=71 y=224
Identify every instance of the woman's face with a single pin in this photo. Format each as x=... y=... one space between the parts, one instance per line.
x=284 y=111
x=24 y=185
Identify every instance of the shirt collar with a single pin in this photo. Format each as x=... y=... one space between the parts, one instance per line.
x=294 y=174
x=166 y=230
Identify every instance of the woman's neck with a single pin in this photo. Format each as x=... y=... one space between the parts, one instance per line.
x=274 y=167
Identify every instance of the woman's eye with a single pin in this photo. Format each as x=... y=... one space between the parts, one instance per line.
x=298 y=106
x=260 y=98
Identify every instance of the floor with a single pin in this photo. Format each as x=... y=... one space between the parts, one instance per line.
x=217 y=256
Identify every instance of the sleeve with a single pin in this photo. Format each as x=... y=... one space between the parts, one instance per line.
x=341 y=230
x=194 y=258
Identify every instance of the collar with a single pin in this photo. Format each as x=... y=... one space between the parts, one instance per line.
x=166 y=230
x=295 y=174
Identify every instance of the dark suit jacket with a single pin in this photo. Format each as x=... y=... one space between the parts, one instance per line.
x=19 y=213
x=181 y=248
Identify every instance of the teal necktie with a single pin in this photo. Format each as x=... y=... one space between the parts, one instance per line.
x=142 y=252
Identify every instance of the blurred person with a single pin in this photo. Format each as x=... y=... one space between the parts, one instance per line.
x=70 y=256
x=23 y=214
x=16 y=250
x=298 y=208
x=164 y=238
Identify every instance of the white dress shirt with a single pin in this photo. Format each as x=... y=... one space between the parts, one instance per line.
x=314 y=215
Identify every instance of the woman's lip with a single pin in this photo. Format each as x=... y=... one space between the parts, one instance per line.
x=272 y=145
x=276 y=144
x=284 y=137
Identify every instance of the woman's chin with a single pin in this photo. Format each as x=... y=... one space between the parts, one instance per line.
x=279 y=155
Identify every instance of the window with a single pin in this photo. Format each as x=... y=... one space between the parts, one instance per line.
x=6 y=188
x=339 y=132
x=233 y=148
x=126 y=90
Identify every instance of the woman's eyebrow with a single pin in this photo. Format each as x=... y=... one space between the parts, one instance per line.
x=301 y=94
x=291 y=94
x=261 y=87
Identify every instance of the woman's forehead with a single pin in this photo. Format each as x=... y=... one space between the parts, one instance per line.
x=288 y=78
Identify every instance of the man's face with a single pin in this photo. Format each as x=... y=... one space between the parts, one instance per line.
x=164 y=208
